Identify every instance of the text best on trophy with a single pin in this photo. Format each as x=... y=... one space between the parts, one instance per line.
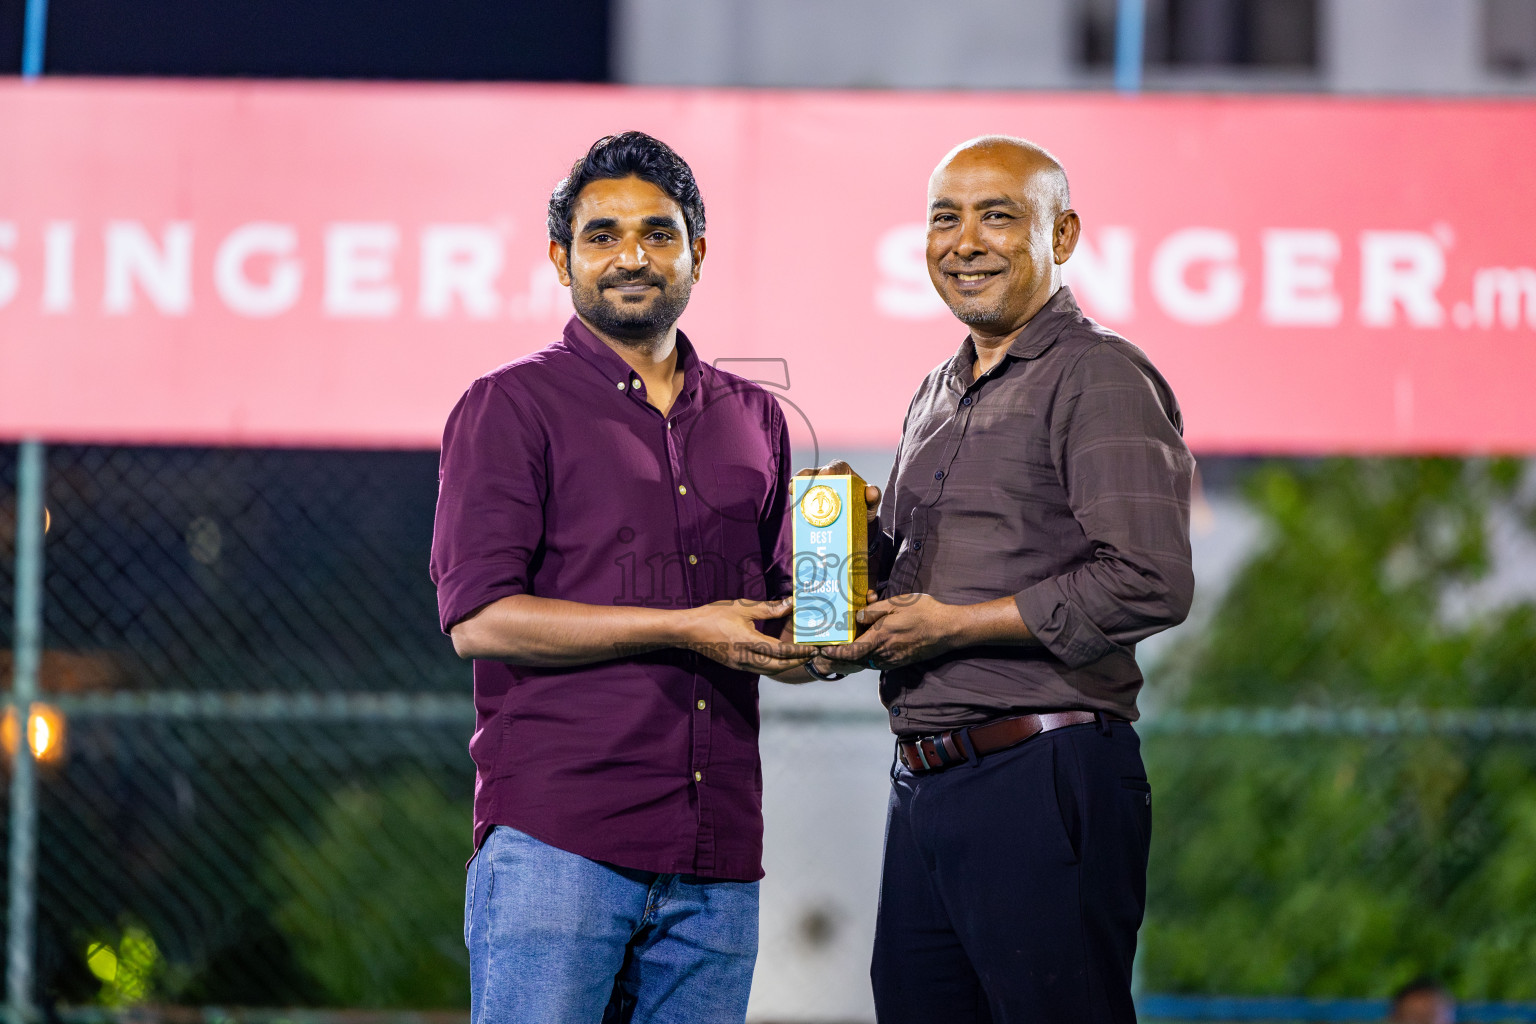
x=831 y=557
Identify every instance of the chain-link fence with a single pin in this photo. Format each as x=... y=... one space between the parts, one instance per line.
x=257 y=788
x=252 y=788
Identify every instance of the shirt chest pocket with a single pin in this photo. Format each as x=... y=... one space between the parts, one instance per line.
x=1012 y=446
x=737 y=500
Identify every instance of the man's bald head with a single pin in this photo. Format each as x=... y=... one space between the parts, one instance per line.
x=1000 y=225
x=1046 y=177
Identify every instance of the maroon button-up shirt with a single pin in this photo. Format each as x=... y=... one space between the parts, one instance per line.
x=559 y=480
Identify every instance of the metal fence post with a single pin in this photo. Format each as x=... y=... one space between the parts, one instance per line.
x=26 y=660
x=26 y=656
x=1130 y=55
x=1130 y=26
x=34 y=38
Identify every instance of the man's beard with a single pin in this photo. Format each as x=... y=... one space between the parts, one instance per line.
x=638 y=325
x=972 y=315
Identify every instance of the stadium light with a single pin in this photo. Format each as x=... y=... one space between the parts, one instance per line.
x=45 y=733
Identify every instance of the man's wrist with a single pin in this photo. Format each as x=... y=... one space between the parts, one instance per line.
x=684 y=627
x=960 y=628
x=989 y=622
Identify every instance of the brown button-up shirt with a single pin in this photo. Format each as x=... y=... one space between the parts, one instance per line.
x=1058 y=478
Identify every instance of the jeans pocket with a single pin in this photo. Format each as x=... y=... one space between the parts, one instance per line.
x=471 y=875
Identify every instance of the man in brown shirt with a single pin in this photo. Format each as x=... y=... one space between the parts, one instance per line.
x=1036 y=526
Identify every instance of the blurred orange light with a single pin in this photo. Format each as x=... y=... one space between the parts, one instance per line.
x=45 y=732
x=42 y=736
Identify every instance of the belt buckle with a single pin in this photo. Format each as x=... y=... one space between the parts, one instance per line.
x=964 y=750
x=940 y=755
x=919 y=762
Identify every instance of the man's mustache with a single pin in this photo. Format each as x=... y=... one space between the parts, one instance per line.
x=637 y=277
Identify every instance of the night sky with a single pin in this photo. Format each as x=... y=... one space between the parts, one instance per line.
x=486 y=40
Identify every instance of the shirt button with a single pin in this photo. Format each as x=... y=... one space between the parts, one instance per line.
x=895 y=711
x=966 y=400
x=669 y=424
x=621 y=385
x=693 y=559
x=681 y=489
x=701 y=705
x=698 y=776
x=635 y=384
x=917 y=545
x=938 y=474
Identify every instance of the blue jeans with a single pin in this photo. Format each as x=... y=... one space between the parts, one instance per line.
x=555 y=938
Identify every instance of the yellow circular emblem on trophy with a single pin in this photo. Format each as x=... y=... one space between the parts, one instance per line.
x=821 y=506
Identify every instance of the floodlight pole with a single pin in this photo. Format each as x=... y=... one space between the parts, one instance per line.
x=26 y=659
x=1130 y=35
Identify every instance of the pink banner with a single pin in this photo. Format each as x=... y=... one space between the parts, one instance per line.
x=331 y=264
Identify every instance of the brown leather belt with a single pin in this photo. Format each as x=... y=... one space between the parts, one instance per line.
x=941 y=750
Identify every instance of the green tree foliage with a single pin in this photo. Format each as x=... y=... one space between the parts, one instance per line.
x=1331 y=865
x=128 y=965
x=372 y=898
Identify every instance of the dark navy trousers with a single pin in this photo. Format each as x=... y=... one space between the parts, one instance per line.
x=1014 y=884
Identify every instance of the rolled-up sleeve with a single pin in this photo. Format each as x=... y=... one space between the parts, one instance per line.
x=492 y=483
x=1116 y=441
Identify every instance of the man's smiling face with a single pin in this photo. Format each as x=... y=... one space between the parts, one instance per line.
x=631 y=266
x=992 y=219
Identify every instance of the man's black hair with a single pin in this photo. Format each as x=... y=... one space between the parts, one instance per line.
x=627 y=155
x=1423 y=983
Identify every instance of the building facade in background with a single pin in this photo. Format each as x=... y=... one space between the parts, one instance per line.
x=1455 y=47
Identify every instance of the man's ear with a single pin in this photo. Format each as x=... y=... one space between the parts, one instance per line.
x=1065 y=234
x=698 y=257
x=560 y=256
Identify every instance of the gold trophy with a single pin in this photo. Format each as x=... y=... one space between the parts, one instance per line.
x=830 y=557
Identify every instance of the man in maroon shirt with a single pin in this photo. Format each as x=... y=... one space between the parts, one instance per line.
x=611 y=525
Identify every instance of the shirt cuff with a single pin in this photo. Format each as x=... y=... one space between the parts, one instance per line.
x=1061 y=626
x=465 y=590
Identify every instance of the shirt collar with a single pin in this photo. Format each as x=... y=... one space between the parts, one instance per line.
x=609 y=363
x=1038 y=335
